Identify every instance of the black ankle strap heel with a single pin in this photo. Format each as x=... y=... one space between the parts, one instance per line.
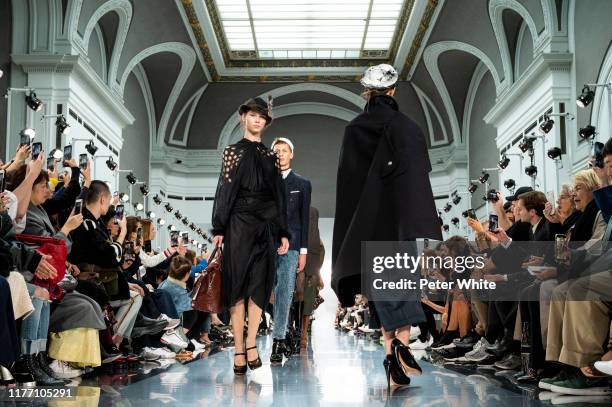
x=240 y=370
x=254 y=364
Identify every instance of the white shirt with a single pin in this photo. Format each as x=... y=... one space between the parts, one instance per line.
x=286 y=172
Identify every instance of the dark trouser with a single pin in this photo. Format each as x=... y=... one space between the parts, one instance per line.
x=531 y=343
x=158 y=302
x=197 y=322
x=502 y=318
x=429 y=326
x=9 y=342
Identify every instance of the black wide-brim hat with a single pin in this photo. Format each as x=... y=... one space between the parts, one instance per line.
x=258 y=105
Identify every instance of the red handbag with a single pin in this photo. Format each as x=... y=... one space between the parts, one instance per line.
x=56 y=248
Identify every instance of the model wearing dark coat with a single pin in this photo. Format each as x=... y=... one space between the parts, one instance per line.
x=383 y=194
x=250 y=212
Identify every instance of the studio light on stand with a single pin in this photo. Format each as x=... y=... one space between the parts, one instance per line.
x=168 y=207
x=473 y=187
x=455 y=221
x=124 y=197
x=138 y=206
x=587 y=133
x=588 y=95
x=503 y=162
x=157 y=200
x=62 y=126
x=91 y=148
x=32 y=102
x=510 y=185
x=161 y=221
x=150 y=214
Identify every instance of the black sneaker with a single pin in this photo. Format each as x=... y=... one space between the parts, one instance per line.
x=468 y=341
x=510 y=362
x=446 y=339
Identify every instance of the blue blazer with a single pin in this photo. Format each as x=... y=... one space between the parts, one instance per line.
x=298 y=190
x=603 y=198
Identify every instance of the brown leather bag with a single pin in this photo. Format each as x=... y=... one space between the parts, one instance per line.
x=206 y=293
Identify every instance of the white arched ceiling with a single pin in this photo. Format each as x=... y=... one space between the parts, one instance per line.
x=496 y=8
x=470 y=98
x=300 y=108
x=426 y=105
x=430 y=57
x=123 y=8
x=145 y=87
x=102 y=46
x=193 y=102
x=234 y=119
x=188 y=58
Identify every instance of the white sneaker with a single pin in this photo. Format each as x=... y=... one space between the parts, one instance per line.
x=604 y=367
x=420 y=345
x=63 y=370
x=172 y=323
x=197 y=345
x=163 y=353
x=147 y=355
x=173 y=338
x=415 y=331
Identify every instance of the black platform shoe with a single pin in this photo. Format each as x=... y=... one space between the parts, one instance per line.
x=278 y=350
x=404 y=358
x=254 y=364
x=240 y=370
x=394 y=372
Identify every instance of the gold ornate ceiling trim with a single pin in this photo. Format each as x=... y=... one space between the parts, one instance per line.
x=418 y=39
x=289 y=63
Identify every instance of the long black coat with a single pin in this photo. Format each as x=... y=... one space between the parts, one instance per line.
x=383 y=190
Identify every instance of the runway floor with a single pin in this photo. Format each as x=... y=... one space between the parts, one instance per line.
x=337 y=370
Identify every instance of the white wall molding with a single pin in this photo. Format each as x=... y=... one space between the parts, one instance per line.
x=102 y=45
x=479 y=73
x=234 y=120
x=145 y=87
x=431 y=55
x=123 y=8
x=194 y=40
x=191 y=103
x=496 y=9
x=600 y=113
x=188 y=58
x=427 y=104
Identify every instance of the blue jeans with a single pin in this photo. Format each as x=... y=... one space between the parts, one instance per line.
x=35 y=327
x=284 y=285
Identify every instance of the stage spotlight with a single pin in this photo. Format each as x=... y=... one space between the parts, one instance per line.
x=447 y=208
x=151 y=215
x=472 y=188
x=131 y=178
x=586 y=97
x=171 y=228
x=157 y=200
x=178 y=215
x=503 y=162
x=456 y=199
x=200 y=245
x=91 y=148
x=455 y=221
x=445 y=228
x=31 y=133
x=484 y=177
x=124 y=197
x=33 y=102
x=138 y=206
x=185 y=221
x=111 y=164
x=200 y=232
x=547 y=125
x=531 y=170
x=510 y=184
x=169 y=207
x=161 y=222
x=144 y=189
x=62 y=125
x=587 y=132
x=554 y=153
x=526 y=145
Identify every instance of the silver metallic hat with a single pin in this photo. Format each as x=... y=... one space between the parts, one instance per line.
x=381 y=76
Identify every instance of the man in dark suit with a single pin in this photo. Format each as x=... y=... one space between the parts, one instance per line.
x=298 y=191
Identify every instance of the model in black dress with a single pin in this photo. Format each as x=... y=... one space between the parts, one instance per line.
x=250 y=218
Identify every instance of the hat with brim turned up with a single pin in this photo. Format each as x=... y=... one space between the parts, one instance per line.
x=258 y=105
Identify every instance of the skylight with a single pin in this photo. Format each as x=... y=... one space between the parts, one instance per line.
x=309 y=29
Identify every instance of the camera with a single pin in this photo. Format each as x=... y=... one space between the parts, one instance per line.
x=492 y=196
